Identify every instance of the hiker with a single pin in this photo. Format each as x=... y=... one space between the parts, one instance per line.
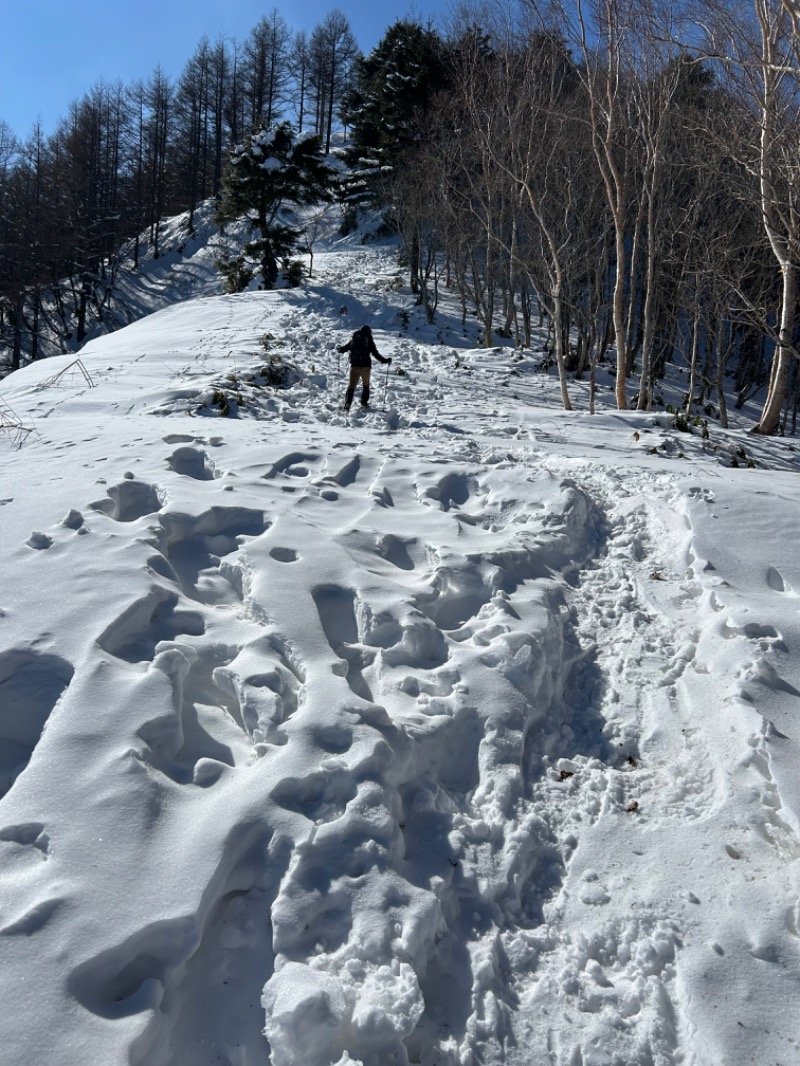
x=360 y=346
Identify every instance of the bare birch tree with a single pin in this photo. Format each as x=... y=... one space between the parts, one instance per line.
x=761 y=58
x=604 y=30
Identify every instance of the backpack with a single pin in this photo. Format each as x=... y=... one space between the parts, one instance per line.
x=359 y=347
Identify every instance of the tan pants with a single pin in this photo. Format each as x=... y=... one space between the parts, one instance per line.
x=358 y=373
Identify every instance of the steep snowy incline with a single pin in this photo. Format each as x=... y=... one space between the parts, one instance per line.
x=462 y=732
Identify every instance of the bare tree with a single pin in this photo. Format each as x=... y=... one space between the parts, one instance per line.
x=604 y=29
x=761 y=57
x=235 y=98
x=333 y=51
x=779 y=179
x=87 y=155
x=535 y=134
x=655 y=88
x=300 y=68
x=192 y=150
x=266 y=54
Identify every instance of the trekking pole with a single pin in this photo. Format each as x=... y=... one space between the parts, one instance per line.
x=385 y=385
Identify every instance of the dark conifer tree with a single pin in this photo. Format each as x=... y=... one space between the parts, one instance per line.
x=270 y=171
x=394 y=86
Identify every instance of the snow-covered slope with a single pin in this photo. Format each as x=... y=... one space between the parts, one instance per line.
x=465 y=731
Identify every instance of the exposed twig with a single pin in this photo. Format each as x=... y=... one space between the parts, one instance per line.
x=56 y=379
x=12 y=424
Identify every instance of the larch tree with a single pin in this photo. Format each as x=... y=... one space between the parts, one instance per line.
x=193 y=147
x=266 y=68
x=334 y=50
x=159 y=98
x=299 y=68
x=17 y=206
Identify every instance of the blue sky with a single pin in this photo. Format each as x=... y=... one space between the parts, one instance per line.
x=55 y=50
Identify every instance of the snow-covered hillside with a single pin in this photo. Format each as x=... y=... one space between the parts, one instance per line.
x=465 y=731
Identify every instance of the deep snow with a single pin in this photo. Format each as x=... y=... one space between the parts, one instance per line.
x=461 y=732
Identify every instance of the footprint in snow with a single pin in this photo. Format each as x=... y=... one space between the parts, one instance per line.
x=31 y=684
x=294 y=464
x=185 y=438
x=395 y=551
x=776 y=581
x=27 y=835
x=283 y=555
x=32 y=919
x=129 y=501
x=336 y=607
x=73 y=520
x=192 y=550
x=39 y=541
x=192 y=463
x=154 y=618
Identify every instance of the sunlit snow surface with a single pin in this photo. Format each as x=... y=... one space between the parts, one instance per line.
x=463 y=732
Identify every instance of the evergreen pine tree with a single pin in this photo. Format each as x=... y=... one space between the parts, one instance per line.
x=394 y=87
x=270 y=172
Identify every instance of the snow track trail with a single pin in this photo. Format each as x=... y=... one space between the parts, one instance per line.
x=463 y=734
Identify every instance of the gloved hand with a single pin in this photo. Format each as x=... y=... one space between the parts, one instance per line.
x=389 y=360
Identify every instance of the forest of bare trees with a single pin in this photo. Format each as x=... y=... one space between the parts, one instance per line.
x=631 y=170
x=625 y=171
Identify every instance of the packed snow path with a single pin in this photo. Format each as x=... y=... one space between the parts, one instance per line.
x=464 y=732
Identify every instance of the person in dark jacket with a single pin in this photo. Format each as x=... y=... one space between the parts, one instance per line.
x=361 y=347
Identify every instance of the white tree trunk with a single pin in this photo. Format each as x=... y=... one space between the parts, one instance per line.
x=781 y=361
